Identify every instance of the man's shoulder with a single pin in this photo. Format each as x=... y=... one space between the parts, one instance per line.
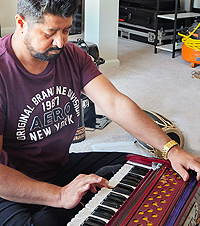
x=73 y=47
x=2 y=47
x=76 y=52
x=3 y=42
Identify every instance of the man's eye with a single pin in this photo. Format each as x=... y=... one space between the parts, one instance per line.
x=66 y=31
x=48 y=35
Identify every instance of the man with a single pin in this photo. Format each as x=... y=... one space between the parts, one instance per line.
x=41 y=77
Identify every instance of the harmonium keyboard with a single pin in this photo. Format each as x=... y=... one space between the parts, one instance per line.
x=145 y=191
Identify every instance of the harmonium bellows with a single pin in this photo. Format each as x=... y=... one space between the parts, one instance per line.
x=145 y=191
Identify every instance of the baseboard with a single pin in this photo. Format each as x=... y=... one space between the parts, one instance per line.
x=109 y=64
x=7 y=30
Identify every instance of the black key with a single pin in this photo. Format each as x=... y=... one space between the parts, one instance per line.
x=111 y=203
x=91 y=221
x=119 y=197
x=130 y=179
x=113 y=200
x=139 y=170
x=103 y=212
x=124 y=189
x=136 y=177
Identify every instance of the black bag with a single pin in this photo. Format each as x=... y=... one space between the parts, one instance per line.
x=88 y=111
x=91 y=119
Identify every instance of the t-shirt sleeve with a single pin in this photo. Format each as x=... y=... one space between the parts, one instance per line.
x=88 y=69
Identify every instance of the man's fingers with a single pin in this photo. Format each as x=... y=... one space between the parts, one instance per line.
x=194 y=165
x=182 y=172
x=182 y=161
x=72 y=193
x=198 y=176
x=86 y=182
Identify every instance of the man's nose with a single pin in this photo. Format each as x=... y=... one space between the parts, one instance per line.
x=58 y=40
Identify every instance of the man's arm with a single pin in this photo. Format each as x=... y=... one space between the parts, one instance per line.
x=128 y=115
x=17 y=187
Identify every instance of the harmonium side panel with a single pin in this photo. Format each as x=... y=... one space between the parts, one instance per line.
x=155 y=203
x=168 y=200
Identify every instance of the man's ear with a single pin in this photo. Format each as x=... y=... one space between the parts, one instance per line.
x=20 y=22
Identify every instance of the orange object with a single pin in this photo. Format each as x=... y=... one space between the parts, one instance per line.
x=191 y=55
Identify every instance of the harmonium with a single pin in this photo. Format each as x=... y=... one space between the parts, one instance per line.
x=145 y=191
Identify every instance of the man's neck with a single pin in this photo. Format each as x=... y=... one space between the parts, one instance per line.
x=31 y=64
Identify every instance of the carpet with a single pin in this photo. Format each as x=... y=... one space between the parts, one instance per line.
x=156 y=82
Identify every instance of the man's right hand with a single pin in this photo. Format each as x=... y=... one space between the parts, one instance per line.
x=72 y=193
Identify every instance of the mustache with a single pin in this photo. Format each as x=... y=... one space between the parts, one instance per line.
x=54 y=48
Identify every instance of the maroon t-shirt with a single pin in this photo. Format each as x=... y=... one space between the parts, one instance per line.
x=39 y=113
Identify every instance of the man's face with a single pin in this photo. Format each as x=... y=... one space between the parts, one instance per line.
x=46 y=40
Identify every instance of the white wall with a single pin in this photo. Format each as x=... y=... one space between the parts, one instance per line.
x=197 y=4
x=8 y=9
x=101 y=28
x=186 y=4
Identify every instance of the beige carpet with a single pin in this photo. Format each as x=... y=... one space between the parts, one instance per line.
x=156 y=82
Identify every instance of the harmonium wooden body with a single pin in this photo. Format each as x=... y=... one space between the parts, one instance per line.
x=145 y=191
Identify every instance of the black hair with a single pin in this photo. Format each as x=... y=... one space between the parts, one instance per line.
x=33 y=10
